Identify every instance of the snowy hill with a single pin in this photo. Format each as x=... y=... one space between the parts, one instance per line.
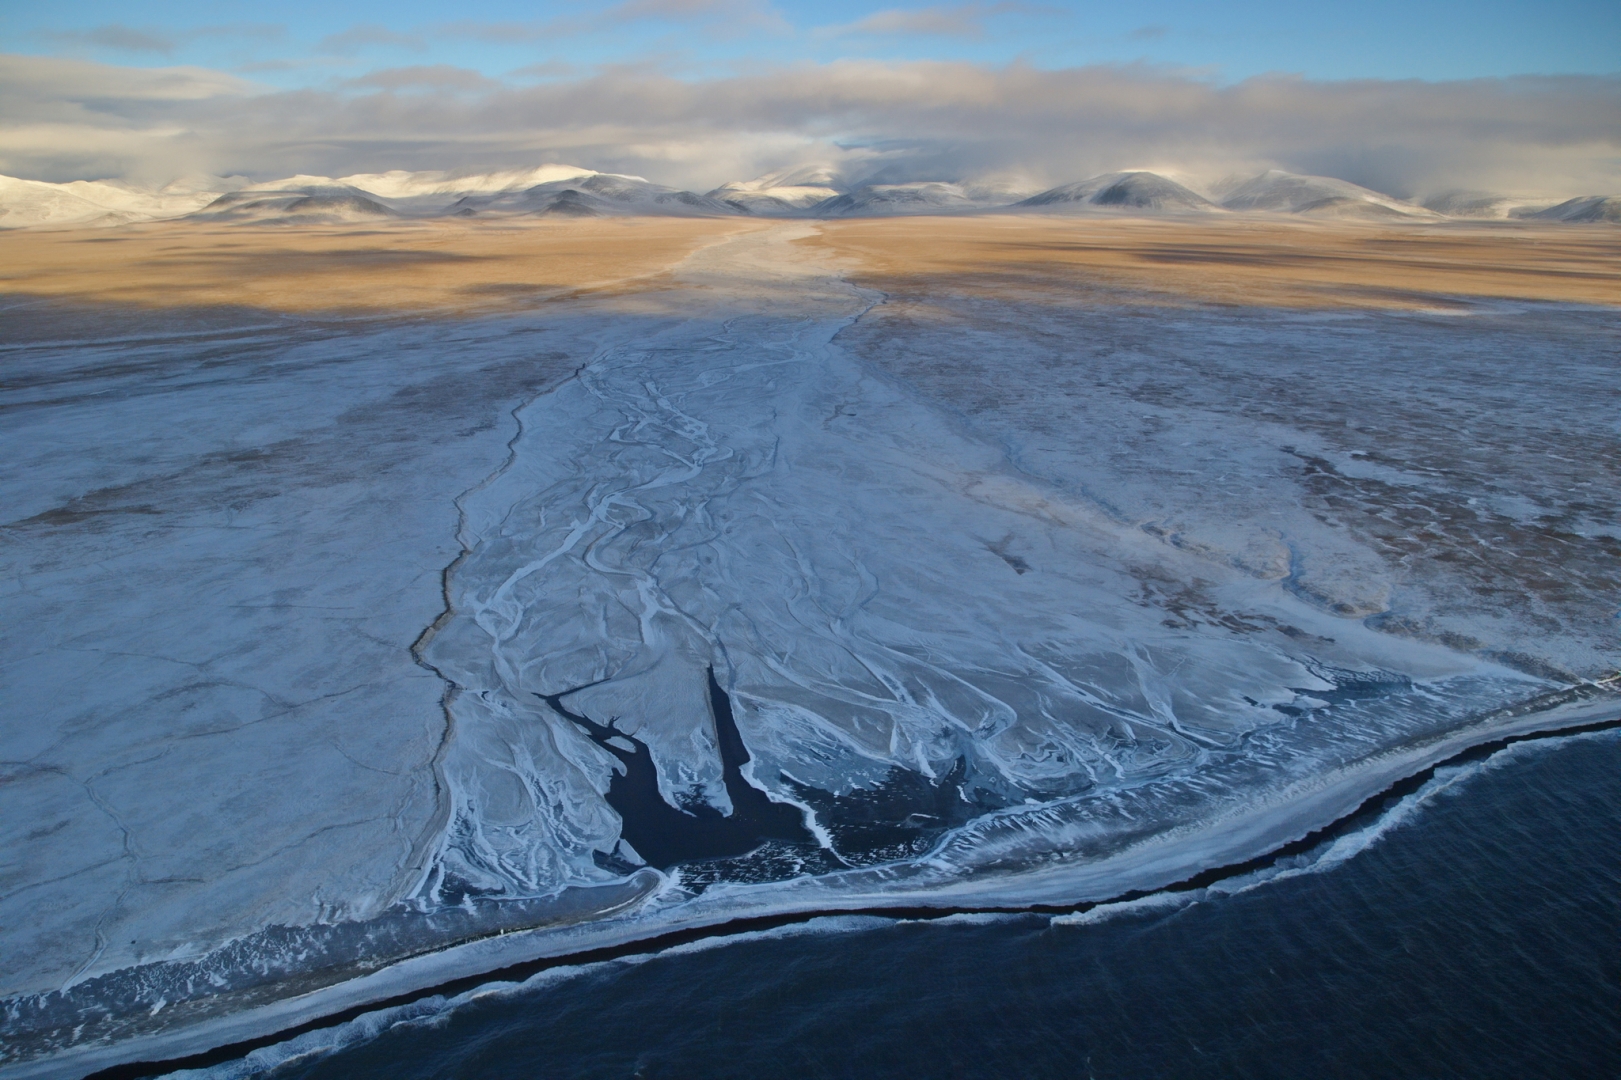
x=1583 y=210
x=549 y=190
x=1482 y=204
x=555 y=190
x=997 y=191
x=596 y=194
x=816 y=176
x=874 y=200
x=309 y=200
x=821 y=191
x=399 y=184
x=545 y=189
x=427 y=193
x=1321 y=196
x=25 y=203
x=788 y=191
x=1122 y=190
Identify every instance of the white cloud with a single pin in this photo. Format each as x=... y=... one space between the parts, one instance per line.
x=440 y=77
x=955 y=20
x=28 y=82
x=366 y=35
x=118 y=37
x=718 y=17
x=1532 y=135
x=755 y=13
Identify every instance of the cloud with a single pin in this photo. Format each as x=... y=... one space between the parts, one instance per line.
x=424 y=77
x=35 y=85
x=724 y=16
x=118 y=37
x=751 y=12
x=275 y=67
x=257 y=32
x=1531 y=135
x=507 y=32
x=959 y=20
x=1149 y=33
x=363 y=35
x=73 y=119
x=546 y=69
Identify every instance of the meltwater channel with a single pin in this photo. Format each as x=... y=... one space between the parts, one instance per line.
x=1465 y=929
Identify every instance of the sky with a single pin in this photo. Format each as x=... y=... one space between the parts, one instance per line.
x=694 y=92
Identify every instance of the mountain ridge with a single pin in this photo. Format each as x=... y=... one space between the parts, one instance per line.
x=808 y=191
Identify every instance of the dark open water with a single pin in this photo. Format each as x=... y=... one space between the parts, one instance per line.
x=1478 y=936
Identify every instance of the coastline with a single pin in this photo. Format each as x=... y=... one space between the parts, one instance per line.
x=1156 y=865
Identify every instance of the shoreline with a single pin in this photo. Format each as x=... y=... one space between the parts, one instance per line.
x=1165 y=863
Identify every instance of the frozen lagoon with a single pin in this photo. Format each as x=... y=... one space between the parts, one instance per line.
x=1017 y=601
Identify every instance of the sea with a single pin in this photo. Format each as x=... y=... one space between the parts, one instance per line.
x=1469 y=927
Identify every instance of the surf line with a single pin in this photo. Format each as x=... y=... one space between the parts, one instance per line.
x=1368 y=811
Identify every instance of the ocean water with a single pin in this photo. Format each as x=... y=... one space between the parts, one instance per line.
x=1470 y=928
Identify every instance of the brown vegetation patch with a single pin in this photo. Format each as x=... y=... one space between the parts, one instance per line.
x=437 y=266
x=1231 y=260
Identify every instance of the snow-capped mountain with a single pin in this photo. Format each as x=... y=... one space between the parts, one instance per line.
x=1122 y=190
x=1321 y=196
x=1481 y=204
x=592 y=195
x=431 y=192
x=25 y=203
x=886 y=199
x=314 y=200
x=929 y=197
x=1588 y=208
x=786 y=192
x=554 y=190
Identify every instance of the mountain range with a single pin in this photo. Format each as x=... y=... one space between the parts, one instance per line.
x=808 y=191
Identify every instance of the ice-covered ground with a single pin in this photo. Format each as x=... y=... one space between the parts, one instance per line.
x=1014 y=602
x=223 y=533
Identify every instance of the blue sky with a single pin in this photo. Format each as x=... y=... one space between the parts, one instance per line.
x=309 y=44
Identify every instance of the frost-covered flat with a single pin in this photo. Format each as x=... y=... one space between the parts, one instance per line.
x=335 y=643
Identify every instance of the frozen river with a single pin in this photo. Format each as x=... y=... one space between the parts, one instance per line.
x=330 y=644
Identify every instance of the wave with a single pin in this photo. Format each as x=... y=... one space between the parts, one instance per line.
x=437 y=1009
x=1446 y=781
